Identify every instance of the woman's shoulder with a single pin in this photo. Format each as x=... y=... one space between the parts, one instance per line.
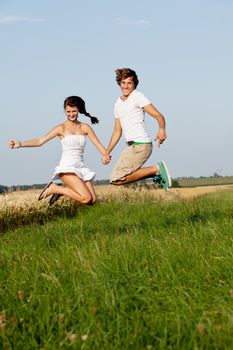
x=57 y=128
x=60 y=128
x=84 y=126
x=86 y=129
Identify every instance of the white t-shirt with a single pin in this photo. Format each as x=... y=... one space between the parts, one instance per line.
x=132 y=117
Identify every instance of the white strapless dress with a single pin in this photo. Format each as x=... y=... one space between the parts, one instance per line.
x=72 y=158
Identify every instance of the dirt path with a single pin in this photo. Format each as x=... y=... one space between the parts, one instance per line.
x=174 y=193
x=199 y=191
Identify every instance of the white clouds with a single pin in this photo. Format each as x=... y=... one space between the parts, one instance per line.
x=139 y=22
x=14 y=19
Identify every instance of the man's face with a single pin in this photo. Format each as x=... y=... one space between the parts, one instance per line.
x=127 y=86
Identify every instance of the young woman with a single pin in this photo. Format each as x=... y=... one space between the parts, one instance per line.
x=71 y=169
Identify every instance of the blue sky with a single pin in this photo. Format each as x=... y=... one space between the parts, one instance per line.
x=181 y=50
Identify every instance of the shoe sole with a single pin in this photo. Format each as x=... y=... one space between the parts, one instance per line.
x=44 y=190
x=168 y=178
x=55 y=198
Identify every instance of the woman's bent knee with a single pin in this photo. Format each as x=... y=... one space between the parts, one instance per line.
x=86 y=199
x=93 y=201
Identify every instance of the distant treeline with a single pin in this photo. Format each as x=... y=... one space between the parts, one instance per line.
x=5 y=189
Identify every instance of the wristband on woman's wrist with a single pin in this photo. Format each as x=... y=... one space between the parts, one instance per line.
x=19 y=144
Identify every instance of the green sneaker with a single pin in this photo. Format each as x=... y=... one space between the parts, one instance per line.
x=157 y=179
x=165 y=180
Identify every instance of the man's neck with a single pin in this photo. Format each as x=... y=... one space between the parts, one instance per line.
x=124 y=97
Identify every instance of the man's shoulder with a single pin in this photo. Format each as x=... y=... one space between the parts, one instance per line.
x=137 y=94
x=117 y=101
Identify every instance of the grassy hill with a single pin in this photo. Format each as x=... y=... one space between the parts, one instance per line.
x=127 y=274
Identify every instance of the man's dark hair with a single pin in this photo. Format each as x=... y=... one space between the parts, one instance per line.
x=124 y=73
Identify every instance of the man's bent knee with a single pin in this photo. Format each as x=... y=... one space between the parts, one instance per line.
x=117 y=182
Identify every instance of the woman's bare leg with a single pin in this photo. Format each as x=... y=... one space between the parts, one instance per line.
x=90 y=186
x=77 y=188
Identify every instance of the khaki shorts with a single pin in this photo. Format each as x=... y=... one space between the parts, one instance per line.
x=131 y=159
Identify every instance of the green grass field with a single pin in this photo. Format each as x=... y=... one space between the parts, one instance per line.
x=122 y=275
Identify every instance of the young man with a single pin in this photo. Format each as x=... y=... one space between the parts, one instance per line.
x=129 y=111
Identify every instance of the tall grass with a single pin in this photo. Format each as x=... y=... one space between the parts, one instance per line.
x=22 y=208
x=122 y=275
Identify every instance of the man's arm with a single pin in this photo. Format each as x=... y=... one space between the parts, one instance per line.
x=153 y=112
x=116 y=135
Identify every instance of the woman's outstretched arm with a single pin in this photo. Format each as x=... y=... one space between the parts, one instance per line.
x=36 y=142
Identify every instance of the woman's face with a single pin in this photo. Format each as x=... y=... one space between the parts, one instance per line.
x=71 y=113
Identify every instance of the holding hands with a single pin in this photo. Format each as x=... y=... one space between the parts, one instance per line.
x=106 y=159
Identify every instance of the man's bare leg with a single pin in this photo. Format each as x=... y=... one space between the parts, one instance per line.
x=139 y=174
